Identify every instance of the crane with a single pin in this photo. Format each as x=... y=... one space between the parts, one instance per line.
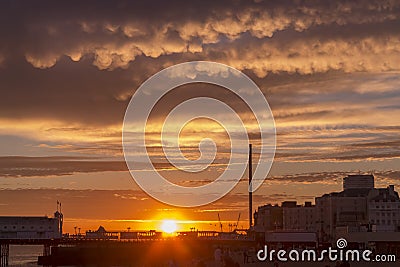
x=220 y=224
x=237 y=223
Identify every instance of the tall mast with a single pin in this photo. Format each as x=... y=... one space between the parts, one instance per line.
x=250 y=187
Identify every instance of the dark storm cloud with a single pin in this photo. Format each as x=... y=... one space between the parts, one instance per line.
x=115 y=33
x=69 y=69
x=136 y=39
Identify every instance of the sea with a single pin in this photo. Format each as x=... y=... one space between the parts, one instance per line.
x=26 y=255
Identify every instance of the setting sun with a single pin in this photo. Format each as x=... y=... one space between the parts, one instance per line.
x=168 y=226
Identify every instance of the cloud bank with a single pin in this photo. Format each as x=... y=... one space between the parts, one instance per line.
x=329 y=70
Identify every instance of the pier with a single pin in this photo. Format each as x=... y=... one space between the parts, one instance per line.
x=123 y=247
x=82 y=250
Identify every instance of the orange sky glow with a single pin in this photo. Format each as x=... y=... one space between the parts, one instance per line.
x=329 y=70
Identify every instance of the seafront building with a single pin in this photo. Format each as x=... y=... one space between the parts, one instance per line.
x=298 y=217
x=360 y=210
x=24 y=227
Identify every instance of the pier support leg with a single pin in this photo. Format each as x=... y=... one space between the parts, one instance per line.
x=46 y=251
x=4 y=254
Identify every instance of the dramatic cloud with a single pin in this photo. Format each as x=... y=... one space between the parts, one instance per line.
x=115 y=34
x=329 y=70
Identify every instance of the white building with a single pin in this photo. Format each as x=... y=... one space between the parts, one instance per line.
x=358 y=208
x=384 y=209
x=18 y=227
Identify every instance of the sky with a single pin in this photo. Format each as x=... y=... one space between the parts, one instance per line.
x=328 y=69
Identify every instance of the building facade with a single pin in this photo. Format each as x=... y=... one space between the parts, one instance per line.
x=344 y=209
x=289 y=216
x=358 y=181
x=358 y=208
x=384 y=210
x=298 y=217
x=18 y=227
x=268 y=218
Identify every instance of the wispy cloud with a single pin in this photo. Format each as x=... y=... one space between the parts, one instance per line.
x=55 y=166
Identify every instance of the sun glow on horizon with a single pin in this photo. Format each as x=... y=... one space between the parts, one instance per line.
x=169 y=226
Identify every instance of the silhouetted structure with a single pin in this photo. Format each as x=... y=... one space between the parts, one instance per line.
x=29 y=230
x=358 y=181
x=359 y=208
x=250 y=186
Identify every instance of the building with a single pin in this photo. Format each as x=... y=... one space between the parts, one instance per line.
x=341 y=209
x=359 y=208
x=288 y=217
x=268 y=218
x=289 y=224
x=101 y=233
x=18 y=227
x=358 y=181
x=298 y=217
x=363 y=209
x=384 y=210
